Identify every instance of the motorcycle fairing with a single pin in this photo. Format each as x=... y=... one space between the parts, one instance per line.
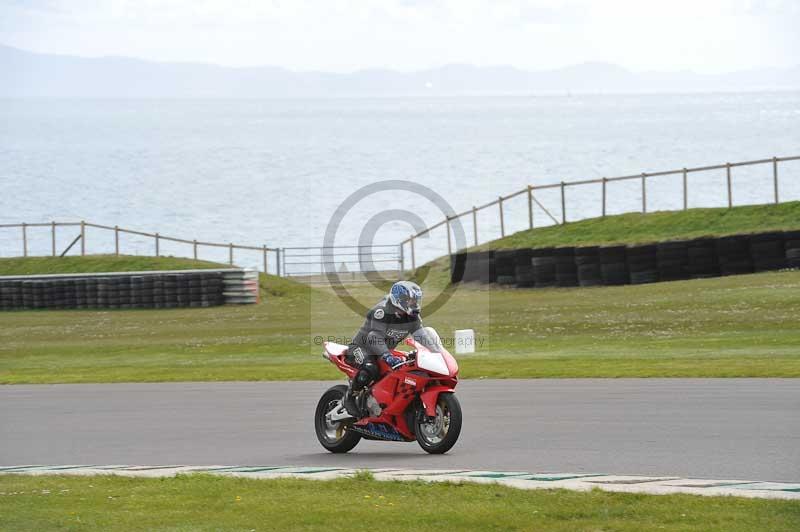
x=332 y=348
x=431 y=396
x=336 y=354
x=433 y=362
x=378 y=431
x=434 y=358
x=394 y=392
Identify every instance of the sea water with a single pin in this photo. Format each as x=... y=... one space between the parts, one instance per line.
x=274 y=172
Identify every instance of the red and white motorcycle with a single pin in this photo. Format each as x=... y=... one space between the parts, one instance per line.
x=415 y=401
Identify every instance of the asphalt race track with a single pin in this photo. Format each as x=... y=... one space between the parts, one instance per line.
x=700 y=428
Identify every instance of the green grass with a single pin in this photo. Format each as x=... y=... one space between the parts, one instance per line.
x=204 y=502
x=743 y=326
x=99 y=264
x=635 y=228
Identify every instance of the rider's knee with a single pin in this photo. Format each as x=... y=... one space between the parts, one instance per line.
x=369 y=373
x=371 y=367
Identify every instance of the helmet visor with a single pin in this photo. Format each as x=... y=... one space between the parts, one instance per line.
x=410 y=302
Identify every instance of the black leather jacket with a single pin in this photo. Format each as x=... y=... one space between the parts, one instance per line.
x=385 y=327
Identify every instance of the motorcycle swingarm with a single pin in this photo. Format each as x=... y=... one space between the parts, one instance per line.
x=339 y=413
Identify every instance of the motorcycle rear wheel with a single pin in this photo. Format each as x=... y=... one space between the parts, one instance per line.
x=439 y=434
x=333 y=436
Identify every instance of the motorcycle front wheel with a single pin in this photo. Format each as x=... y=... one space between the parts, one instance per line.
x=438 y=434
x=334 y=436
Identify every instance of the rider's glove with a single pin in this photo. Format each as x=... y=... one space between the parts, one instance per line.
x=391 y=360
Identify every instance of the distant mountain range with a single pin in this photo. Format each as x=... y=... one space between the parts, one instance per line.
x=27 y=74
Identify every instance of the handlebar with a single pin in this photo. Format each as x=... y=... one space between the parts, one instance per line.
x=411 y=357
x=411 y=361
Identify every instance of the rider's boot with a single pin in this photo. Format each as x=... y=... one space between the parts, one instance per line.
x=350 y=402
x=361 y=380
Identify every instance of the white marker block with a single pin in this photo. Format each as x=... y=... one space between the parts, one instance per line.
x=465 y=341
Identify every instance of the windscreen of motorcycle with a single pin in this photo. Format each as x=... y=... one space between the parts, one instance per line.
x=428 y=338
x=433 y=362
x=430 y=358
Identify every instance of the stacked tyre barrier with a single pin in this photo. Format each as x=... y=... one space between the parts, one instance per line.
x=702 y=258
x=473 y=267
x=458 y=268
x=136 y=290
x=733 y=255
x=643 y=264
x=613 y=265
x=792 y=248
x=587 y=263
x=487 y=272
x=544 y=267
x=566 y=268
x=504 y=266
x=637 y=264
x=672 y=261
x=768 y=251
x=523 y=269
x=240 y=287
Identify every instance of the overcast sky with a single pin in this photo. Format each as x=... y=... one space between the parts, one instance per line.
x=345 y=35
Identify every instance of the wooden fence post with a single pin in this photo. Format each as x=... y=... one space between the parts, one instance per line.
x=401 y=259
x=158 y=251
x=278 y=261
x=53 y=237
x=775 y=177
x=449 y=242
x=502 y=218
x=116 y=240
x=475 y=223
x=530 y=207
x=685 y=189
x=563 y=204
x=605 y=181
x=265 y=258
x=644 y=193
x=83 y=238
x=728 y=176
x=24 y=239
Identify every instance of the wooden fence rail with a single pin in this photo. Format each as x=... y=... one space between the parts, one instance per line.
x=448 y=222
x=564 y=185
x=264 y=250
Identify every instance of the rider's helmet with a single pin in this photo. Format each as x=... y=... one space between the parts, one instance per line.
x=406 y=296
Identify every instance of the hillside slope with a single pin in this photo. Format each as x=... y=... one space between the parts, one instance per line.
x=633 y=228
x=637 y=228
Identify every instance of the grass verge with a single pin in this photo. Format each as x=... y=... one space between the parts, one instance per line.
x=205 y=502
x=99 y=264
x=743 y=326
x=637 y=228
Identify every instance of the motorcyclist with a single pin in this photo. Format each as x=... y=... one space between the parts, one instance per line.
x=387 y=323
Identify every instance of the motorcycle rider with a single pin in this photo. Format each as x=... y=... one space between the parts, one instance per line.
x=387 y=323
